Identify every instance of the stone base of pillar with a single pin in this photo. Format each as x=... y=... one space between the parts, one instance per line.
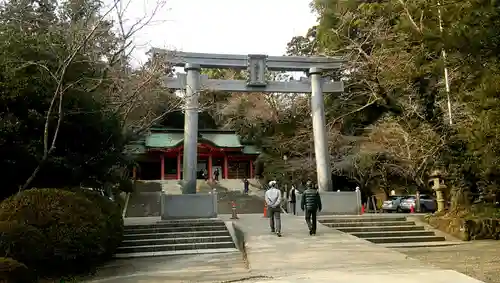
x=188 y=187
x=188 y=206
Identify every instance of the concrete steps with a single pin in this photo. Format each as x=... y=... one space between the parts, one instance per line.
x=405 y=239
x=389 y=231
x=169 y=234
x=370 y=223
x=421 y=245
x=175 y=240
x=163 y=229
x=391 y=234
x=364 y=219
x=176 y=237
x=377 y=228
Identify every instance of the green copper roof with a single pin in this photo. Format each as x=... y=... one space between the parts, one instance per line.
x=157 y=140
x=164 y=139
x=223 y=140
x=251 y=149
x=135 y=148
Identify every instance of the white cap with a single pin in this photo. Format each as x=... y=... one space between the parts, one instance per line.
x=272 y=183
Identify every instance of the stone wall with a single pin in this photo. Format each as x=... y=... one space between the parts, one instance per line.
x=188 y=206
x=336 y=203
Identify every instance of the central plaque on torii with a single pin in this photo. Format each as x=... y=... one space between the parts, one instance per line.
x=257 y=71
x=257 y=66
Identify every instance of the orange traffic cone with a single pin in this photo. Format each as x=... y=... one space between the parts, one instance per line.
x=362 y=209
x=233 y=208
x=265 y=210
x=412 y=209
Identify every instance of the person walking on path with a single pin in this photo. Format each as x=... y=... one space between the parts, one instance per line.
x=311 y=204
x=292 y=199
x=273 y=201
x=216 y=174
x=246 y=186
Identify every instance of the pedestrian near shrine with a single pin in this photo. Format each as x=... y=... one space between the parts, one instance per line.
x=311 y=204
x=273 y=201
x=292 y=199
x=246 y=186
x=216 y=174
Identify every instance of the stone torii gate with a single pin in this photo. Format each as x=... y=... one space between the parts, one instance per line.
x=257 y=65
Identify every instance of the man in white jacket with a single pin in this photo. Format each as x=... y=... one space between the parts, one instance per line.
x=273 y=201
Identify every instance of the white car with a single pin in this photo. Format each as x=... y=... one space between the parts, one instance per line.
x=427 y=203
x=392 y=204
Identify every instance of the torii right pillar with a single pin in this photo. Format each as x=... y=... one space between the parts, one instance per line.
x=321 y=152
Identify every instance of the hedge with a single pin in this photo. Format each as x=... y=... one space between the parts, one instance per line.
x=481 y=229
x=113 y=220
x=12 y=271
x=474 y=223
x=74 y=227
x=24 y=243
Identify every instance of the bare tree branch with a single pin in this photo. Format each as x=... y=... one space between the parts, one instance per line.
x=59 y=76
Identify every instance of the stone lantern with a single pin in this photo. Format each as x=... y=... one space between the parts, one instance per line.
x=436 y=181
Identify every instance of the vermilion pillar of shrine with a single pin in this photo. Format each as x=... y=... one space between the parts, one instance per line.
x=226 y=168
x=162 y=161
x=178 y=166
x=251 y=168
x=210 y=167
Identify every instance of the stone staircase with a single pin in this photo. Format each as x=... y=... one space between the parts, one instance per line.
x=176 y=237
x=388 y=231
x=237 y=184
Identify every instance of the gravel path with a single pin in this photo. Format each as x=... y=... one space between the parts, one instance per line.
x=478 y=259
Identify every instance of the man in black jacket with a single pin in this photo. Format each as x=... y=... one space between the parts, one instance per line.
x=311 y=204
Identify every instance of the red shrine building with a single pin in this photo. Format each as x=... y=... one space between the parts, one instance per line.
x=160 y=155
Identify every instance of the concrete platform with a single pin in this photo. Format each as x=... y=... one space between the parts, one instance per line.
x=206 y=268
x=331 y=256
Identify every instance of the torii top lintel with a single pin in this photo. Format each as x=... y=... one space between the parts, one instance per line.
x=231 y=61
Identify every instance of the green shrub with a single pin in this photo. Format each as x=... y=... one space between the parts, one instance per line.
x=450 y=224
x=481 y=229
x=23 y=242
x=74 y=227
x=12 y=271
x=477 y=222
x=113 y=218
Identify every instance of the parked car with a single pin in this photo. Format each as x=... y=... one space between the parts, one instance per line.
x=392 y=204
x=427 y=203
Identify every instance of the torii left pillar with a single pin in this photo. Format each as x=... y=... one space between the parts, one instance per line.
x=191 y=127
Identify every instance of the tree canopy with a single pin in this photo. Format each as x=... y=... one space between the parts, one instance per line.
x=70 y=101
x=391 y=127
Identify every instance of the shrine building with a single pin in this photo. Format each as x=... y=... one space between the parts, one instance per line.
x=160 y=154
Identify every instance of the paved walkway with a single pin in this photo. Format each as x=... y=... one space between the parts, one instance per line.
x=206 y=268
x=330 y=256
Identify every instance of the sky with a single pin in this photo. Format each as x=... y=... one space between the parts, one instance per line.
x=220 y=26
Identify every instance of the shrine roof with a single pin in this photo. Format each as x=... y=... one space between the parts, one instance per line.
x=167 y=138
x=251 y=149
x=171 y=138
